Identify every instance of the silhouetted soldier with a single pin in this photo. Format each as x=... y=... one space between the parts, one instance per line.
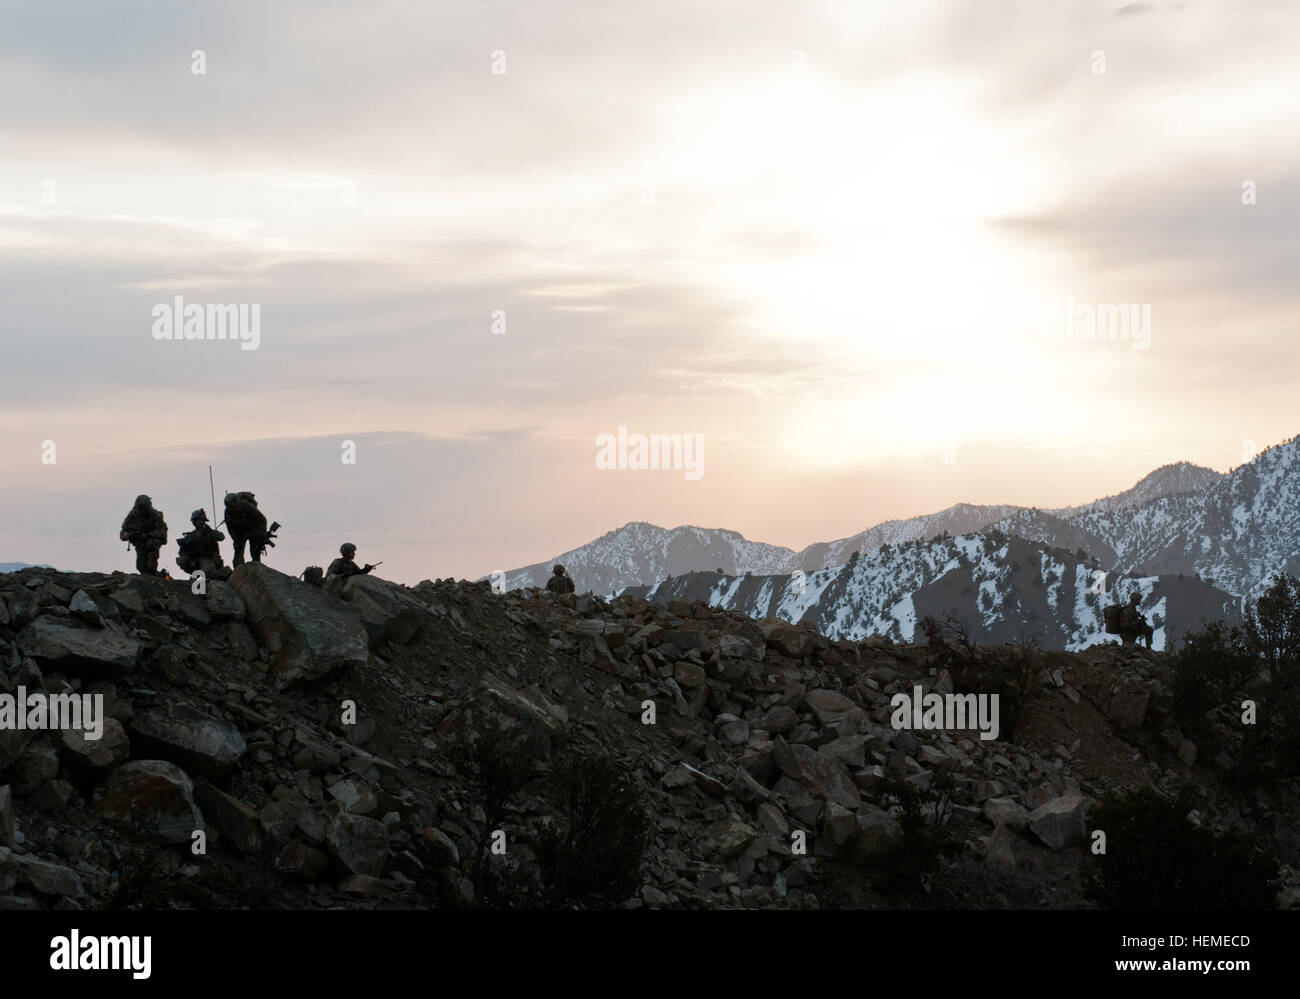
x=247 y=524
x=145 y=529
x=345 y=565
x=1132 y=625
x=560 y=581
x=200 y=549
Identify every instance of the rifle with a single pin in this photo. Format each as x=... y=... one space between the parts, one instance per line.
x=369 y=567
x=267 y=540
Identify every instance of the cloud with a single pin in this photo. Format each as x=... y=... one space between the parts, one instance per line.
x=692 y=222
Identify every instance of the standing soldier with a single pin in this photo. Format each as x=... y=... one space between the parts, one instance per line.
x=145 y=529
x=247 y=525
x=200 y=548
x=560 y=582
x=1132 y=625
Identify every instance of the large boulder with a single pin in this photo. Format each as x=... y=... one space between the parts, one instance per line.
x=999 y=853
x=196 y=741
x=300 y=862
x=112 y=746
x=787 y=638
x=388 y=610
x=684 y=640
x=822 y=776
x=223 y=602
x=151 y=799
x=1007 y=812
x=1060 y=822
x=83 y=607
x=879 y=834
x=727 y=837
x=529 y=722
x=830 y=707
x=237 y=821
x=23 y=607
x=309 y=633
x=69 y=646
x=46 y=878
x=359 y=845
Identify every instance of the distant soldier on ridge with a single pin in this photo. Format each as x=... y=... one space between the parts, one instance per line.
x=1128 y=622
x=248 y=525
x=345 y=565
x=560 y=581
x=146 y=530
x=1132 y=625
x=200 y=549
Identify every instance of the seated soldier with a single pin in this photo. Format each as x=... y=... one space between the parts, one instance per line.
x=560 y=582
x=345 y=565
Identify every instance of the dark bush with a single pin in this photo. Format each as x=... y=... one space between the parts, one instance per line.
x=1209 y=667
x=926 y=839
x=1011 y=677
x=592 y=855
x=496 y=768
x=1157 y=858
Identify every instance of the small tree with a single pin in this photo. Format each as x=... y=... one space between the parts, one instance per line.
x=1211 y=665
x=497 y=767
x=592 y=855
x=923 y=821
x=1272 y=631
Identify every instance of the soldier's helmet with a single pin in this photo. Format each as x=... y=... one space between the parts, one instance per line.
x=558 y=570
x=199 y=515
x=347 y=549
x=1136 y=598
x=143 y=501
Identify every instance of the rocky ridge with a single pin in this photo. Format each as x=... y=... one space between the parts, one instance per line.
x=310 y=738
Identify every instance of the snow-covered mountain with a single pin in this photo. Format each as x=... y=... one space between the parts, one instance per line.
x=639 y=554
x=1168 y=480
x=1244 y=528
x=1193 y=541
x=1236 y=531
x=1002 y=589
x=960 y=519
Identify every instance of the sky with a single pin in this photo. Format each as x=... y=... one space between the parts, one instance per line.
x=853 y=250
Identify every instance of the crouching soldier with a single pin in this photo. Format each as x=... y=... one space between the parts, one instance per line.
x=145 y=529
x=200 y=549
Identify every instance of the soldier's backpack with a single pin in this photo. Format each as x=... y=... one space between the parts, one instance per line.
x=1114 y=614
x=313 y=575
x=242 y=515
x=162 y=526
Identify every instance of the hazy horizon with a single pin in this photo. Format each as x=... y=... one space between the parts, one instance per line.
x=826 y=239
